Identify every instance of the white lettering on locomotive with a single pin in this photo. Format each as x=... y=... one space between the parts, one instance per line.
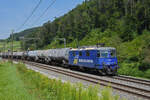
x=85 y=60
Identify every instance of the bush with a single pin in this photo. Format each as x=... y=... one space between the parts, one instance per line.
x=130 y=69
x=147 y=74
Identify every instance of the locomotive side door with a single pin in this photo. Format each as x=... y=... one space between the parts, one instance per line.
x=97 y=59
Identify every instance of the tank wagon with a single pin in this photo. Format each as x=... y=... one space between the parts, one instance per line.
x=17 y=55
x=51 y=56
x=101 y=59
x=1 y=54
x=7 y=54
x=32 y=55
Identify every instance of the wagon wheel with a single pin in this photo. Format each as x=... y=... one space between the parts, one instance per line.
x=101 y=72
x=108 y=71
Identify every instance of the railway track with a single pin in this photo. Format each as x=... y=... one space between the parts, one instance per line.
x=132 y=79
x=137 y=91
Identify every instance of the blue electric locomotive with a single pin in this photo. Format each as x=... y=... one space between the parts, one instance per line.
x=103 y=59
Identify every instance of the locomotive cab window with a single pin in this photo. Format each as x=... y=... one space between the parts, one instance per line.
x=104 y=54
x=87 y=53
x=113 y=53
x=80 y=53
x=73 y=53
x=98 y=54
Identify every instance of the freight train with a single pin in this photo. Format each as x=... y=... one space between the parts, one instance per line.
x=100 y=59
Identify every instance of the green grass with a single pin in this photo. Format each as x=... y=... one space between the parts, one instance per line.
x=11 y=86
x=19 y=83
x=16 y=46
x=51 y=89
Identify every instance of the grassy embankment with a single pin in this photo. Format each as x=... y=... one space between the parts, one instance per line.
x=19 y=83
x=11 y=86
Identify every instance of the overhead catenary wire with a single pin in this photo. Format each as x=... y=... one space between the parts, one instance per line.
x=60 y=13
x=54 y=17
x=30 y=15
x=51 y=4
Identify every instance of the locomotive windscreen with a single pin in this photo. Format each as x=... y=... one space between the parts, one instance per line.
x=106 y=53
x=113 y=53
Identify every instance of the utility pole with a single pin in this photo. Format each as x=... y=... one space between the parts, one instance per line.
x=23 y=43
x=12 y=40
x=26 y=39
x=64 y=42
x=77 y=42
x=4 y=46
x=63 y=39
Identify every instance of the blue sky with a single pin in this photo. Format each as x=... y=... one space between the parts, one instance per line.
x=14 y=12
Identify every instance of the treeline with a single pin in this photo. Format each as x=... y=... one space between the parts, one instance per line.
x=127 y=18
x=25 y=33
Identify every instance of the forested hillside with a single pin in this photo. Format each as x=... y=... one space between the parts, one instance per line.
x=24 y=33
x=125 y=18
x=124 y=24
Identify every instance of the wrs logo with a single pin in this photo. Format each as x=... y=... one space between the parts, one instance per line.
x=75 y=61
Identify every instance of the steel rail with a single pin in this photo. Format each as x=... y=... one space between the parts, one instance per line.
x=134 y=80
x=118 y=86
